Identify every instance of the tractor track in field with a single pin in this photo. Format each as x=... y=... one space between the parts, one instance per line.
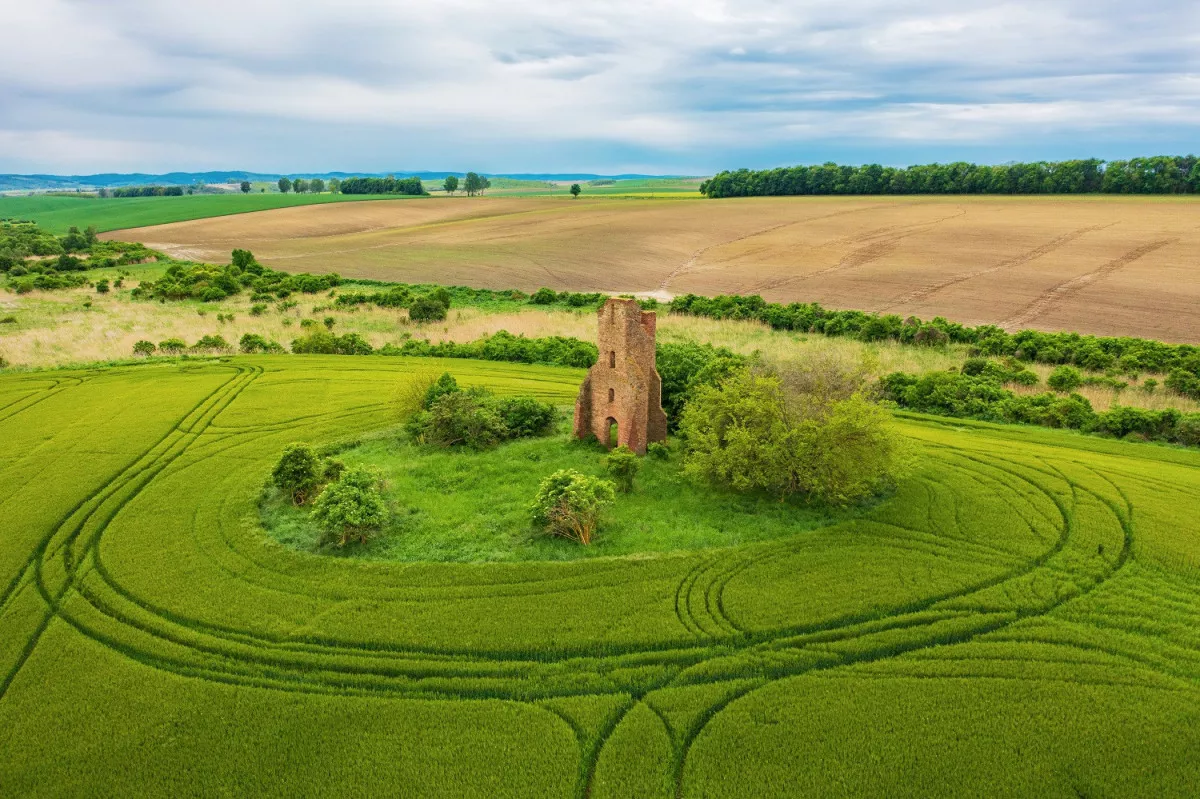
x=1123 y=516
x=1068 y=288
x=923 y=293
x=72 y=581
x=875 y=244
x=219 y=398
x=687 y=265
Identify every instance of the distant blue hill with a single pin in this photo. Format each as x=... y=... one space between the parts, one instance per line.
x=113 y=179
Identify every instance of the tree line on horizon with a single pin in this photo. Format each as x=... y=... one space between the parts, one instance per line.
x=1164 y=174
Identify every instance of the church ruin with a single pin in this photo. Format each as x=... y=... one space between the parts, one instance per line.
x=620 y=401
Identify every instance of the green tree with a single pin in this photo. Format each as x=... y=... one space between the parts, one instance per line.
x=1065 y=379
x=575 y=190
x=352 y=507
x=450 y=184
x=568 y=504
x=335 y=185
x=245 y=187
x=426 y=309
x=299 y=185
x=623 y=464
x=463 y=418
x=298 y=472
x=472 y=184
x=316 y=185
x=285 y=185
x=752 y=433
x=143 y=348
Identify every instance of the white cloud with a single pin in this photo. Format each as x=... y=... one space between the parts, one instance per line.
x=617 y=82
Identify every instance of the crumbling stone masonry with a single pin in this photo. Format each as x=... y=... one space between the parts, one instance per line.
x=621 y=398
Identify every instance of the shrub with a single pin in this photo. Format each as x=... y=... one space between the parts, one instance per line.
x=352 y=507
x=8 y=320
x=568 y=504
x=258 y=309
x=623 y=465
x=544 y=296
x=172 y=346
x=525 y=417
x=1064 y=379
x=686 y=366
x=298 y=472
x=1187 y=430
x=656 y=449
x=426 y=309
x=143 y=348
x=211 y=344
x=101 y=286
x=445 y=384
x=752 y=434
x=463 y=418
x=321 y=342
x=251 y=343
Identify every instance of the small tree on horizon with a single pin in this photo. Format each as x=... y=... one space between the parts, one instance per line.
x=285 y=185
x=450 y=184
x=316 y=185
x=575 y=190
x=472 y=184
x=245 y=187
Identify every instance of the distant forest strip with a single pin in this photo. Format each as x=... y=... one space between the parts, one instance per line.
x=1164 y=174
x=388 y=185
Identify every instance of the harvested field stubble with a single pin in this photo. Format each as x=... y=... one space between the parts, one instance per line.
x=1018 y=617
x=1104 y=265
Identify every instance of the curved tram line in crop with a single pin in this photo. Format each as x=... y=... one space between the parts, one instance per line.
x=1080 y=518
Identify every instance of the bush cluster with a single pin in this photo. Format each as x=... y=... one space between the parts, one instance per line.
x=504 y=346
x=982 y=396
x=211 y=283
x=58 y=258
x=451 y=416
x=785 y=434
x=1120 y=355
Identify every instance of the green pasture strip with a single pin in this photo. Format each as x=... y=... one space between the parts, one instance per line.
x=1017 y=617
x=57 y=214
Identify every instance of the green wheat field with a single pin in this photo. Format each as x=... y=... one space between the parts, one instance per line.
x=1020 y=617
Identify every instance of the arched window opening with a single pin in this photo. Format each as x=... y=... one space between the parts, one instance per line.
x=612 y=394
x=612 y=359
x=611 y=438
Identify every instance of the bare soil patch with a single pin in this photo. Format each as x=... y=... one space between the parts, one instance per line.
x=1042 y=262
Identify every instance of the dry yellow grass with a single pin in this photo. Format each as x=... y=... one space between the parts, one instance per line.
x=1105 y=265
x=56 y=328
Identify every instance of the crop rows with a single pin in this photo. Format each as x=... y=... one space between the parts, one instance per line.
x=1002 y=560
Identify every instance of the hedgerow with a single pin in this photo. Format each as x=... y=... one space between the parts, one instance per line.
x=211 y=283
x=1124 y=354
x=982 y=395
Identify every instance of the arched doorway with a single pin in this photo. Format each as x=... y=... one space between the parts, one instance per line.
x=610 y=439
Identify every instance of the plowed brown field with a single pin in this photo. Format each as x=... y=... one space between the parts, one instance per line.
x=1106 y=265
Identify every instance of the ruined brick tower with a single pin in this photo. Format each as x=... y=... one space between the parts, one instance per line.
x=623 y=390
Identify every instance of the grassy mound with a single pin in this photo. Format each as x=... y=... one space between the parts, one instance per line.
x=1019 y=618
x=472 y=507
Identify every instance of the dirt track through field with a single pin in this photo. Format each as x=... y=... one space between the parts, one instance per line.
x=1018 y=260
x=1064 y=290
x=925 y=292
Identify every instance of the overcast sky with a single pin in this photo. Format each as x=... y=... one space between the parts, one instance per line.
x=658 y=86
